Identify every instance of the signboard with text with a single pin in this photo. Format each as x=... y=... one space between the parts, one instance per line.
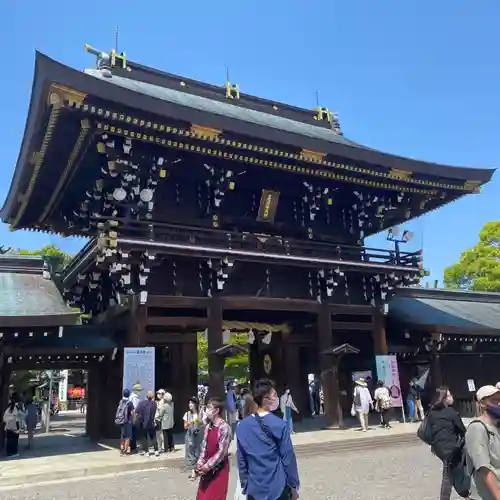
x=387 y=370
x=139 y=368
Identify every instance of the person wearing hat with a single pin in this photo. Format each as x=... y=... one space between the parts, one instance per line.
x=482 y=442
x=362 y=402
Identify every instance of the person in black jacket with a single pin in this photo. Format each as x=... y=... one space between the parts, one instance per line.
x=447 y=430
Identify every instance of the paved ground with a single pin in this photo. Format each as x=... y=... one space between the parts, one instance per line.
x=66 y=453
x=407 y=472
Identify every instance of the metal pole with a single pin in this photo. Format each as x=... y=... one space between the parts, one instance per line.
x=47 y=420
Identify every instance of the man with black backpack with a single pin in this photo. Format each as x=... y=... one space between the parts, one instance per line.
x=123 y=419
x=482 y=443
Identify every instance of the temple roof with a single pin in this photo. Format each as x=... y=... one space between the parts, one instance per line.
x=446 y=311
x=193 y=103
x=28 y=298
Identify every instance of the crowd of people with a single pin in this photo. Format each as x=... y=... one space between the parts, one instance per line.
x=267 y=467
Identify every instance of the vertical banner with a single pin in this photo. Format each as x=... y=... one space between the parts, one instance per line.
x=139 y=368
x=63 y=386
x=387 y=370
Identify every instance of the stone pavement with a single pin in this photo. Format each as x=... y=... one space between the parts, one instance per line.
x=66 y=453
x=395 y=473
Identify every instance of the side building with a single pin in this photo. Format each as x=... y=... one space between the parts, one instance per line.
x=208 y=210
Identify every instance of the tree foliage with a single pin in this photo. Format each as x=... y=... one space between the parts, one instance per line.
x=235 y=367
x=479 y=267
x=56 y=258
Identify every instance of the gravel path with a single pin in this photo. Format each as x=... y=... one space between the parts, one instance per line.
x=394 y=473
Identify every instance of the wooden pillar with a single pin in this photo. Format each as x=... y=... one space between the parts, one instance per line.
x=111 y=393
x=379 y=334
x=329 y=369
x=215 y=362
x=253 y=361
x=94 y=397
x=175 y=386
x=138 y=321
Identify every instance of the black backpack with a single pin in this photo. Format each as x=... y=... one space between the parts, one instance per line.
x=458 y=472
x=121 y=412
x=424 y=431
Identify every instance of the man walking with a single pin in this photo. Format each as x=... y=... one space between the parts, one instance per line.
x=266 y=459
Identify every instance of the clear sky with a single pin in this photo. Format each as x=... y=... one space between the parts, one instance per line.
x=414 y=78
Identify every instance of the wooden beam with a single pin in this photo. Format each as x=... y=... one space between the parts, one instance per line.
x=352 y=326
x=169 y=301
x=165 y=338
x=52 y=351
x=269 y=304
x=355 y=310
x=178 y=321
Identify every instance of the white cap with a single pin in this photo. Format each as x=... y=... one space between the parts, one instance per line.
x=486 y=392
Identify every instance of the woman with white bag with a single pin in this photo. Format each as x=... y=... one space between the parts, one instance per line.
x=249 y=407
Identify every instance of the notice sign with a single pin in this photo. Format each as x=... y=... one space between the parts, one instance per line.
x=471 y=385
x=268 y=206
x=63 y=386
x=139 y=368
x=387 y=370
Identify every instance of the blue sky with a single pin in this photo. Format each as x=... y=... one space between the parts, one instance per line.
x=418 y=79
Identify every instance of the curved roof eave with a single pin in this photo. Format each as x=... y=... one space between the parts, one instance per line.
x=35 y=111
x=48 y=70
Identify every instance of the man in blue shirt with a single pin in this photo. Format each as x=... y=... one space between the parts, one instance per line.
x=266 y=459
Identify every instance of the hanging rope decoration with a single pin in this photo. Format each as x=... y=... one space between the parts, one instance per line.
x=218 y=183
x=146 y=261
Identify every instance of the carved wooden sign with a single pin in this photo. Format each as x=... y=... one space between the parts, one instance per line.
x=268 y=206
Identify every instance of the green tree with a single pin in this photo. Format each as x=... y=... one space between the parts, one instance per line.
x=235 y=367
x=56 y=258
x=479 y=267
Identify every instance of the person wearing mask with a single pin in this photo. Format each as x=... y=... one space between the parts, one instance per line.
x=266 y=460
x=166 y=416
x=213 y=465
x=382 y=403
x=160 y=395
x=31 y=420
x=410 y=400
x=362 y=403
x=482 y=442
x=135 y=399
x=447 y=432
x=287 y=405
x=193 y=421
x=145 y=420
x=12 y=419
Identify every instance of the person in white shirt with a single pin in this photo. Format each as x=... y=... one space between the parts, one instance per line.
x=287 y=405
x=135 y=400
x=362 y=403
x=12 y=419
x=382 y=403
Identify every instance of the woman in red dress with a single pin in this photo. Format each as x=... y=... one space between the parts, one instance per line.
x=213 y=464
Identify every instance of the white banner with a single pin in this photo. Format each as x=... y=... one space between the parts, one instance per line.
x=63 y=386
x=139 y=368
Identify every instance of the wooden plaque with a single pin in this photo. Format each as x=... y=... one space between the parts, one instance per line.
x=268 y=206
